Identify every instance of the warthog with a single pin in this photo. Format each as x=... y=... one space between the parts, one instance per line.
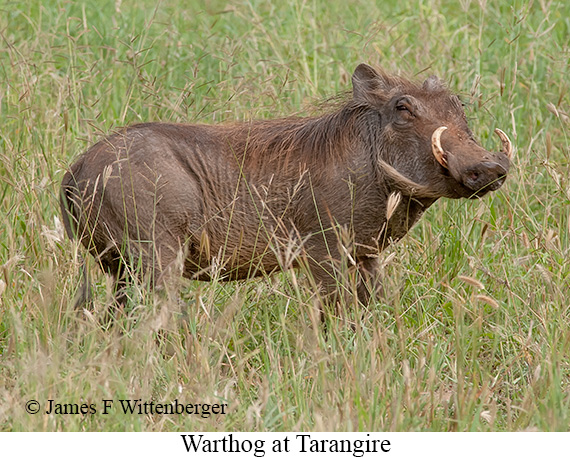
x=240 y=200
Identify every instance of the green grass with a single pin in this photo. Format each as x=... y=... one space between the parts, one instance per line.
x=431 y=355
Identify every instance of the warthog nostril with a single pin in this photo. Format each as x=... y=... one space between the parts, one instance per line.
x=489 y=175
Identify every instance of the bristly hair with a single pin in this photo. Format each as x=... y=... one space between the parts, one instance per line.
x=282 y=142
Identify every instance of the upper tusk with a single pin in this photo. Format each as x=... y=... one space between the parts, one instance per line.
x=436 y=148
x=507 y=145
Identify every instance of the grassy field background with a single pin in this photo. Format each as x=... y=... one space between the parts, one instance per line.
x=474 y=333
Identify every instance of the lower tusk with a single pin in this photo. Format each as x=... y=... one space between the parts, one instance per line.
x=507 y=145
x=436 y=148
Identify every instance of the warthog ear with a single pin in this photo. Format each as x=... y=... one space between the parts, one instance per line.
x=433 y=83
x=365 y=81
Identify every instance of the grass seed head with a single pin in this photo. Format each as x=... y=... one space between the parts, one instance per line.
x=488 y=300
x=471 y=281
x=393 y=202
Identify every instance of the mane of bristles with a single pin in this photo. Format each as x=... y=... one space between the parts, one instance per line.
x=316 y=139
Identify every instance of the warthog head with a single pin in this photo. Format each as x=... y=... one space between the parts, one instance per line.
x=425 y=144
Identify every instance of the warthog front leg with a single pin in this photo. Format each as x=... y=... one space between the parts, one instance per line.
x=369 y=285
x=342 y=278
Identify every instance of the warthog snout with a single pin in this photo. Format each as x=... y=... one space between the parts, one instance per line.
x=475 y=168
x=487 y=176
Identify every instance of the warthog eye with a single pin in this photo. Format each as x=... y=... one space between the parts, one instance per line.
x=403 y=107
x=406 y=107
